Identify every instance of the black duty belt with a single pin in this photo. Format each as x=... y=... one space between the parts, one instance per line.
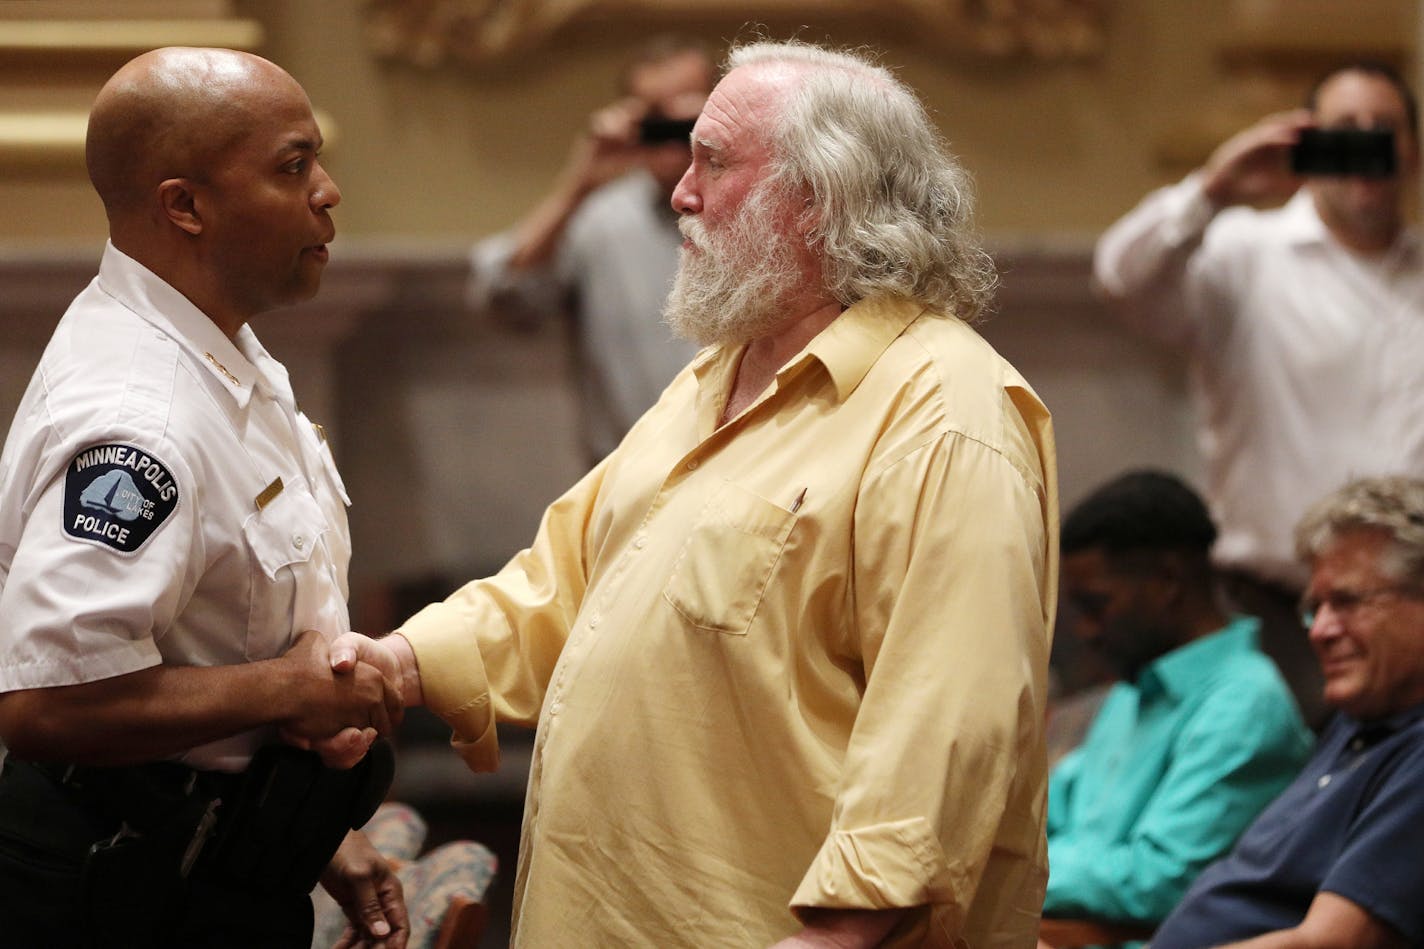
x=144 y=796
x=271 y=828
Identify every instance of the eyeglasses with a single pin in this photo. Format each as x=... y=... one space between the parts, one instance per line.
x=1346 y=602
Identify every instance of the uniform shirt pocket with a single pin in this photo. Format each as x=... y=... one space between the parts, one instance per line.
x=281 y=537
x=286 y=530
x=722 y=571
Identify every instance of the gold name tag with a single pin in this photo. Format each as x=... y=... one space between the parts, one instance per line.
x=268 y=493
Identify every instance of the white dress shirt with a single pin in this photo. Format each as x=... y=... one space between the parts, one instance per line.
x=162 y=501
x=1305 y=356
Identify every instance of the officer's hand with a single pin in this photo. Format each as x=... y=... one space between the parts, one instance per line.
x=366 y=887
x=328 y=701
x=343 y=750
x=1253 y=166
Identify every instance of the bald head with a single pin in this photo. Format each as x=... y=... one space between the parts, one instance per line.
x=208 y=163
x=169 y=113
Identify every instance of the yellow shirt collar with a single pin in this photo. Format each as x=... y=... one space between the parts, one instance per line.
x=847 y=348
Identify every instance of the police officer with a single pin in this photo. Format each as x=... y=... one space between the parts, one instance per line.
x=173 y=553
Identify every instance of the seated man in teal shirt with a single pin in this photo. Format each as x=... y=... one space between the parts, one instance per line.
x=1200 y=733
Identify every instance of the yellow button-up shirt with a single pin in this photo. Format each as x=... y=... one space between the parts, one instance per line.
x=795 y=661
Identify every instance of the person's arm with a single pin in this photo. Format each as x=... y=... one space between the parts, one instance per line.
x=365 y=886
x=1332 y=922
x=488 y=651
x=1240 y=748
x=607 y=149
x=82 y=678
x=1142 y=263
x=943 y=775
x=1253 y=166
x=521 y=276
x=162 y=711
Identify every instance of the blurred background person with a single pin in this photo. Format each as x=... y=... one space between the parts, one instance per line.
x=1334 y=861
x=1198 y=735
x=601 y=247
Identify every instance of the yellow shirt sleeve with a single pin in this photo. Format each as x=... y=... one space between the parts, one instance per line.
x=487 y=651
x=952 y=555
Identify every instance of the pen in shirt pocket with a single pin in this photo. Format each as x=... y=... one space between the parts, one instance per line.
x=796 y=504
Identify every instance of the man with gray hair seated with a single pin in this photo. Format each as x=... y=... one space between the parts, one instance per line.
x=786 y=647
x=1334 y=861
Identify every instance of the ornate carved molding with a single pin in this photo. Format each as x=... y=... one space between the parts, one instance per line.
x=480 y=32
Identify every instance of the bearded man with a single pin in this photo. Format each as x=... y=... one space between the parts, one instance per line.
x=786 y=648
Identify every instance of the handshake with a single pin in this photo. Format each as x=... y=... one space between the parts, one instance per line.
x=349 y=692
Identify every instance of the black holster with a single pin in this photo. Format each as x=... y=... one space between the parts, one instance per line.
x=291 y=815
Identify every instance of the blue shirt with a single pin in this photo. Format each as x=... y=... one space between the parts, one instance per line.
x=1352 y=824
x=1174 y=767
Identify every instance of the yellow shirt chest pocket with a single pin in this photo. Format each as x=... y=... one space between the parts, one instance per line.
x=721 y=574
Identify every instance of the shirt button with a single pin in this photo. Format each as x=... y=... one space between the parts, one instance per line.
x=692 y=465
x=1324 y=780
x=593 y=621
x=640 y=543
x=298 y=541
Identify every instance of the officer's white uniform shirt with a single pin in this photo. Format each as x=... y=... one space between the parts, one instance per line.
x=162 y=501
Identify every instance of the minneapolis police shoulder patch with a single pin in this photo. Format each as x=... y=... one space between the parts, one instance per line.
x=118 y=496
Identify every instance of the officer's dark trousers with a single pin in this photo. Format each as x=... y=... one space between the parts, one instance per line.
x=45 y=833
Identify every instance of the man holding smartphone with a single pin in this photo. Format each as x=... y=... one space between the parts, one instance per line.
x=601 y=247
x=1304 y=323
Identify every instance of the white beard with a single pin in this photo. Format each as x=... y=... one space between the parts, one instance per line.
x=731 y=287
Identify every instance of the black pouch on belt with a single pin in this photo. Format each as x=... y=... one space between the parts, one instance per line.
x=129 y=888
x=291 y=815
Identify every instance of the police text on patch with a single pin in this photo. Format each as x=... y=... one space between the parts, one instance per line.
x=117 y=496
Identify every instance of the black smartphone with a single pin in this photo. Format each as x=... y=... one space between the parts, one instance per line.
x=657 y=129
x=1365 y=153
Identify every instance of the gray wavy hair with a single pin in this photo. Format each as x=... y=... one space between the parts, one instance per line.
x=1392 y=505
x=891 y=209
